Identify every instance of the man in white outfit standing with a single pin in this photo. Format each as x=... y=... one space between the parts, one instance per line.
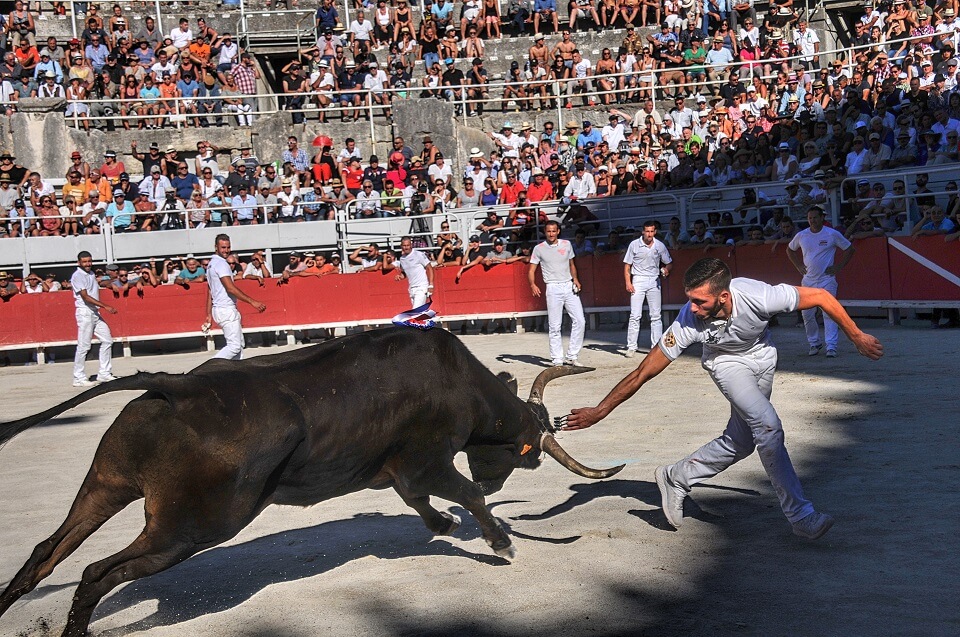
x=86 y=295
x=417 y=269
x=555 y=256
x=730 y=317
x=818 y=245
x=222 y=301
x=646 y=259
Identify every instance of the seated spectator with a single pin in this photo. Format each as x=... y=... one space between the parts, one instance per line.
x=120 y=213
x=8 y=289
x=257 y=269
x=244 y=207
x=701 y=235
x=316 y=265
x=193 y=272
x=499 y=255
x=934 y=222
x=294 y=267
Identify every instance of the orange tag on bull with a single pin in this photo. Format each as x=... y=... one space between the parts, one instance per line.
x=525 y=449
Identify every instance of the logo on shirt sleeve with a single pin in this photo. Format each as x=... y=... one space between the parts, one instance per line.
x=669 y=340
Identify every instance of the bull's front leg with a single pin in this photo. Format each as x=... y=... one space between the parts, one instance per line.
x=439 y=522
x=452 y=485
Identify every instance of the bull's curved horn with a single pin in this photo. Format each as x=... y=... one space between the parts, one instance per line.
x=549 y=444
x=536 y=391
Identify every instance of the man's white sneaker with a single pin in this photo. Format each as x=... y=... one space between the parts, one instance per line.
x=557 y=363
x=831 y=353
x=572 y=361
x=106 y=378
x=85 y=382
x=630 y=353
x=813 y=526
x=671 y=497
x=814 y=350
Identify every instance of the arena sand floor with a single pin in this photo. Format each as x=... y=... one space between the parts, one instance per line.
x=875 y=444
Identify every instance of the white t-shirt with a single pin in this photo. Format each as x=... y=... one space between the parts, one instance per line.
x=415 y=267
x=217 y=269
x=554 y=260
x=252 y=270
x=645 y=259
x=818 y=250
x=361 y=31
x=181 y=38
x=81 y=280
x=435 y=172
x=745 y=332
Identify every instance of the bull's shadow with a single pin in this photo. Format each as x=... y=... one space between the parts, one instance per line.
x=224 y=577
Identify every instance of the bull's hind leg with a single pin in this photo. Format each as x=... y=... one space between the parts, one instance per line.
x=95 y=504
x=180 y=528
x=439 y=522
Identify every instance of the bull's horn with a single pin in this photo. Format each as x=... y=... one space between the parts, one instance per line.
x=536 y=392
x=549 y=444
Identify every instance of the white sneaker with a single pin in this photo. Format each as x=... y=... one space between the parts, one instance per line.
x=815 y=349
x=813 y=526
x=630 y=353
x=671 y=497
x=85 y=382
x=106 y=378
x=831 y=353
x=557 y=363
x=572 y=361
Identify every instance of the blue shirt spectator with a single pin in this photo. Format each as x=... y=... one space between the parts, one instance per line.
x=120 y=211
x=185 y=184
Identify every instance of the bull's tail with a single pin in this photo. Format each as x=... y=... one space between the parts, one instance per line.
x=171 y=386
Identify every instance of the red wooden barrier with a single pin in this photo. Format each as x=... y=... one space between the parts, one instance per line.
x=903 y=269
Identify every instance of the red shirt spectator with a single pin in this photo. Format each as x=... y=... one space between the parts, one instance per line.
x=539 y=189
x=510 y=190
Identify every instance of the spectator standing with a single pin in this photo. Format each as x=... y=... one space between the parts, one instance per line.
x=647 y=258
x=245 y=76
x=86 y=294
x=812 y=252
x=222 y=301
x=556 y=258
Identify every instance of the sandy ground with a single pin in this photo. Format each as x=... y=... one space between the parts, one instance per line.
x=875 y=444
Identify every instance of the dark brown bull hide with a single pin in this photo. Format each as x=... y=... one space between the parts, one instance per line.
x=210 y=449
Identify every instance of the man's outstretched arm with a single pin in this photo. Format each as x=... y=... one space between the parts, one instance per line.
x=866 y=344
x=653 y=363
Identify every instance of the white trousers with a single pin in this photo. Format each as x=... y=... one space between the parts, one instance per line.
x=644 y=288
x=228 y=318
x=831 y=331
x=89 y=324
x=418 y=296
x=560 y=297
x=747 y=381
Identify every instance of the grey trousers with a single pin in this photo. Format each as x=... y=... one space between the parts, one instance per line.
x=747 y=381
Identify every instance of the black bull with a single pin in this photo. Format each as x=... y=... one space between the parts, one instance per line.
x=210 y=449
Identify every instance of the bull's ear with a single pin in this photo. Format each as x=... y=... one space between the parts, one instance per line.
x=509 y=380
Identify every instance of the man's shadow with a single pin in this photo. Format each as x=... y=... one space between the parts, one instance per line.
x=527 y=359
x=645 y=492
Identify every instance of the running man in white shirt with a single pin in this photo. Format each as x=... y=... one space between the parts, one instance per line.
x=646 y=259
x=86 y=295
x=417 y=269
x=818 y=245
x=730 y=317
x=222 y=302
x=555 y=256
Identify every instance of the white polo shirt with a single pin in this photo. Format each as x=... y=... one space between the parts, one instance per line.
x=415 y=267
x=645 y=259
x=818 y=250
x=554 y=260
x=217 y=269
x=81 y=280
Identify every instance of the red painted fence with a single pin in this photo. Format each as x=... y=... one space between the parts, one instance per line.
x=900 y=269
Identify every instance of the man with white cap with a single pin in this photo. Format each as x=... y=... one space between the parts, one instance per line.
x=222 y=301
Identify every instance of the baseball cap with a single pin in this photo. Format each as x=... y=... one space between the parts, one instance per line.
x=119 y=193
x=474 y=238
x=498 y=241
x=154 y=169
x=784 y=146
x=874 y=136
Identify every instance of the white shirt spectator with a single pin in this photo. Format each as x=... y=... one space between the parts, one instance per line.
x=369 y=203
x=436 y=172
x=181 y=39
x=581 y=187
x=613 y=135
x=806 y=42
x=361 y=31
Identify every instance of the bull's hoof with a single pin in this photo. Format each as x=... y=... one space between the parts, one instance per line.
x=508 y=553
x=452 y=527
